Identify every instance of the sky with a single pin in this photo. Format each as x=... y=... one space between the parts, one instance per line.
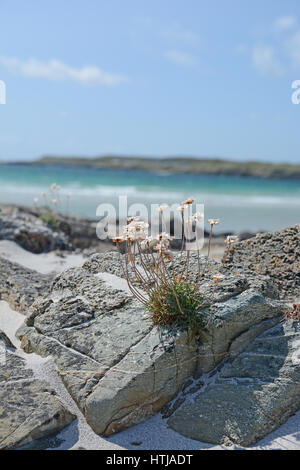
x=207 y=78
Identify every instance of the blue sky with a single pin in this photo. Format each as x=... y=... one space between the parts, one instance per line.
x=150 y=77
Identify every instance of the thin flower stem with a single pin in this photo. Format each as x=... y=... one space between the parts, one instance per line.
x=208 y=249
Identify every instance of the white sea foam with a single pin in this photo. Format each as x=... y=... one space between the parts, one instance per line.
x=148 y=194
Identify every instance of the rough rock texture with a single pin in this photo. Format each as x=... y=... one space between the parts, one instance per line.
x=276 y=255
x=28 y=230
x=116 y=365
x=29 y=408
x=5 y=341
x=40 y=229
x=20 y=286
x=252 y=396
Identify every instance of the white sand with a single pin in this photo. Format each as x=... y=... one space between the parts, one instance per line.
x=44 y=263
x=10 y=321
x=153 y=434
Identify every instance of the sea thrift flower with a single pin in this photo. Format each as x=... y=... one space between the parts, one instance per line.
x=188 y=202
x=213 y=221
x=196 y=217
x=146 y=243
x=135 y=230
x=231 y=239
x=164 y=236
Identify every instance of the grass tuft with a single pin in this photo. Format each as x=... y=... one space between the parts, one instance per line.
x=177 y=305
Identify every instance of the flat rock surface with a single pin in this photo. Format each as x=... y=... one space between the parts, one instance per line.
x=276 y=255
x=29 y=408
x=20 y=286
x=252 y=396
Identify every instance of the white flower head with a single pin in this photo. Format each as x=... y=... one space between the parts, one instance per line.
x=147 y=242
x=136 y=230
x=196 y=217
x=231 y=239
x=213 y=221
x=164 y=236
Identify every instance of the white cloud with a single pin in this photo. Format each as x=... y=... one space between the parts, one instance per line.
x=293 y=49
x=180 y=58
x=284 y=23
x=58 y=71
x=264 y=60
x=176 y=33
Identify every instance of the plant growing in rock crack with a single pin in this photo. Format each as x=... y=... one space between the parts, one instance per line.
x=169 y=292
x=52 y=200
x=50 y=220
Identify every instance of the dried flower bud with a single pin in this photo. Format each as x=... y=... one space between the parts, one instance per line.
x=218 y=277
x=188 y=201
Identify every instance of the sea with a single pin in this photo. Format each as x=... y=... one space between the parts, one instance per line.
x=241 y=203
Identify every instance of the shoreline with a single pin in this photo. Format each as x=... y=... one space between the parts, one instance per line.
x=174 y=165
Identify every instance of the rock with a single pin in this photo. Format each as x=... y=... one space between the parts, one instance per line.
x=5 y=341
x=28 y=230
x=236 y=320
x=115 y=364
x=253 y=395
x=20 y=286
x=29 y=408
x=40 y=229
x=276 y=255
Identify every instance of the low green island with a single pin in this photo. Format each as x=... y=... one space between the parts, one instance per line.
x=207 y=166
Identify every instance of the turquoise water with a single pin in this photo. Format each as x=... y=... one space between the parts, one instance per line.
x=241 y=203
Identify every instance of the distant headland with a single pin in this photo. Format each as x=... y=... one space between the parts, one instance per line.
x=207 y=166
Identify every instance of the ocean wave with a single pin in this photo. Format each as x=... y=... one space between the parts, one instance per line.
x=148 y=195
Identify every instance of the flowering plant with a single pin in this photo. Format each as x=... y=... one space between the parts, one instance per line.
x=167 y=292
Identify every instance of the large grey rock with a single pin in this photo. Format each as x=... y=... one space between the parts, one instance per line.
x=116 y=365
x=20 y=286
x=276 y=255
x=29 y=230
x=29 y=408
x=40 y=229
x=253 y=395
